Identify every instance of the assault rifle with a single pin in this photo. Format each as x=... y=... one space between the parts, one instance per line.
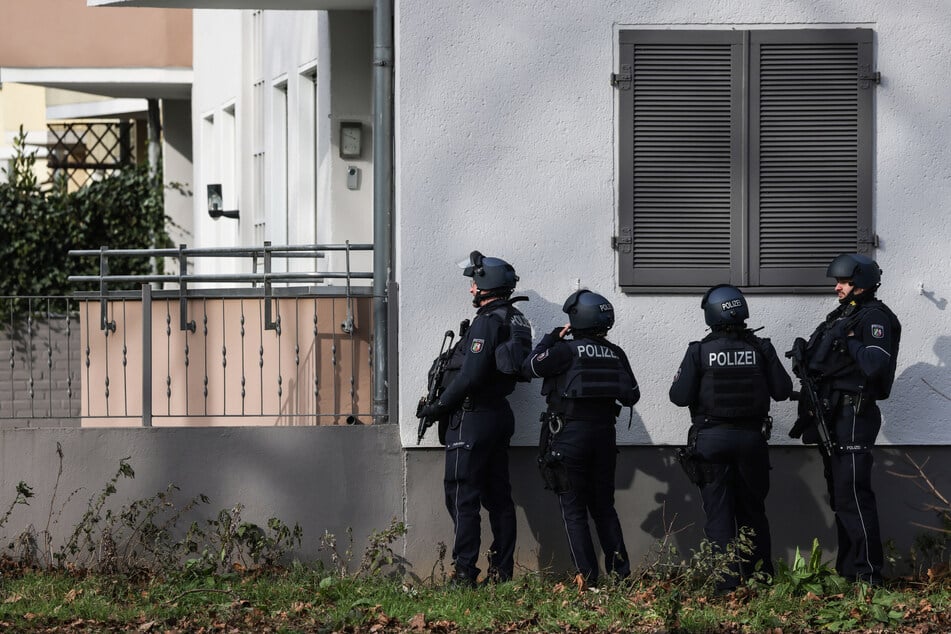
x=811 y=394
x=435 y=385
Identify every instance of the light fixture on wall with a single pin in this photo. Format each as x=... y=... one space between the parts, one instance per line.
x=215 y=202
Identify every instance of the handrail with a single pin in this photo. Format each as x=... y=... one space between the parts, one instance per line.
x=267 y=253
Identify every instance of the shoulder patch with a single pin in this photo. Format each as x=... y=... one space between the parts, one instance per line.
x=477 y=345
x=878 y=331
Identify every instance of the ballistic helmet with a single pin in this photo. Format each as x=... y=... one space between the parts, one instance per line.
x=490 y=274
x=588 y=311
x=724 y=305
x=861 y=269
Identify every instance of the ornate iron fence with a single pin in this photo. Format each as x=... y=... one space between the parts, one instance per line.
x=265 y=350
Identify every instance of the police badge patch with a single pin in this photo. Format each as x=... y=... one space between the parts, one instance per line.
x=878 y=331
x=477 y=345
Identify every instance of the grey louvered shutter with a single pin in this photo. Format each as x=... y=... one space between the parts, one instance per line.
x=810 y=152
x=679 y=146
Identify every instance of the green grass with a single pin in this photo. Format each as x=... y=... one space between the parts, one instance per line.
x=303 y=599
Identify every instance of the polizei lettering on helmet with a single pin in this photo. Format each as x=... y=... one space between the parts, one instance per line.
x=593 y=351
x=731 y=358
x=730 y=305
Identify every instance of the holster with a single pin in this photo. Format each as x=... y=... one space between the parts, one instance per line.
x=698 y=471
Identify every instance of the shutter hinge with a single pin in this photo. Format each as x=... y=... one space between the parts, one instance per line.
x=867 y=76
x=623 y=242
x=622 y=80
x=869 y=239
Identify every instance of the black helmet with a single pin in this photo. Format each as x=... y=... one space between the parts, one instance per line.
x=861 y=269
x=724 y=305
x=490 y=274
x=588 y=311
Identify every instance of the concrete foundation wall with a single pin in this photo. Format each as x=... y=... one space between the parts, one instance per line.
x=335 y=478
x=654 y=497
x=330 y=478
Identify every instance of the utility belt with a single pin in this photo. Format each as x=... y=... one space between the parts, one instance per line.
x=764 y=424
x=483 y=402
x=590 y=409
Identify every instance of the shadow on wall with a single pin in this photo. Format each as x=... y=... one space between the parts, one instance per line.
x=928 y=387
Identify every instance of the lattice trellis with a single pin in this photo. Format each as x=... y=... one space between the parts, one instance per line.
x=86 y=150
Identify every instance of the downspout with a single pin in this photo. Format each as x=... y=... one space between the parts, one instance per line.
x=382 y=198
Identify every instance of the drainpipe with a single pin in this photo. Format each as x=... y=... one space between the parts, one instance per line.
x=382 y=197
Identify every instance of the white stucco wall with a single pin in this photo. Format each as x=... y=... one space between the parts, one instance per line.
x=506 y=143
x=316 y=71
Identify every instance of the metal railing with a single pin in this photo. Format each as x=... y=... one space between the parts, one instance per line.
x=259 y=347
x=39 y=338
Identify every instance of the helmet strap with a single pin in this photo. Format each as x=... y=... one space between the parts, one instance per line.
x=492 y=294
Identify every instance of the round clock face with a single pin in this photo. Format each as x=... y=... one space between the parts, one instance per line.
x=350 y=141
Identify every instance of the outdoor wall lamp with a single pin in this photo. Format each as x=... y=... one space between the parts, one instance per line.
x=215 y=203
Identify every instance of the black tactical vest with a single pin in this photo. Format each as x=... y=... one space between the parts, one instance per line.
x=597 y=377
x=733 y=383
x=835 y=367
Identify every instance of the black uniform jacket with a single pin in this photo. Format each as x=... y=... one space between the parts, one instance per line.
x=686 y=388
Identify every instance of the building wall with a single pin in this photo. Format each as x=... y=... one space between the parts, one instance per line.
x=26 y=106
x=96 y=37
x=265 y=124
x=508 y=144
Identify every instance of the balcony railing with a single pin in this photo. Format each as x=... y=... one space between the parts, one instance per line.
x=264 y=347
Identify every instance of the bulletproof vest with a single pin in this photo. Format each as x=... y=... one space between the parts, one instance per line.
x=834 y=365
x=598 y=370
x=733 y=381
x=515 y=338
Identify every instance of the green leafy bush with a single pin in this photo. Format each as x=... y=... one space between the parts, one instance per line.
x=41 y=223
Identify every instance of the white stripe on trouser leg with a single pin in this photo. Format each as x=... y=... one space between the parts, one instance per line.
x=455 y=523
x=858 y=507
x=564 y=521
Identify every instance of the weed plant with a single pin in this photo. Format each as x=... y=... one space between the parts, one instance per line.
x=134 y=569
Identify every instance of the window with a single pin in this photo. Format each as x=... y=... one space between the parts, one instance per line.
x=745 y=156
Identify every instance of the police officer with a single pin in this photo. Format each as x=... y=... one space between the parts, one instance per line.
x=851 y=357
x=585 y=379
x=727 y=380
x=481 y=373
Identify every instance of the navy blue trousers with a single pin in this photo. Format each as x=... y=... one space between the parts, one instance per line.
x=735 y=496
x=589 y=453
x=477 y=475
x=848 y=475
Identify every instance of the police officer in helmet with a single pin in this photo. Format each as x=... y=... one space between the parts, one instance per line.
x=727 y=380
x=851 y=357
x=482 y=372
x=586 y=381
